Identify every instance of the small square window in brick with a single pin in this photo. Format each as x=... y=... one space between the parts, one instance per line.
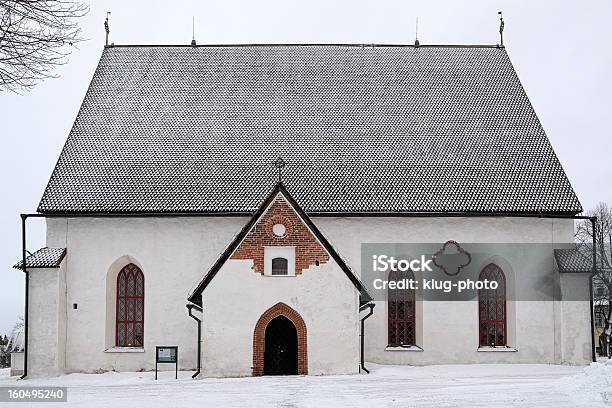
x=308 y=250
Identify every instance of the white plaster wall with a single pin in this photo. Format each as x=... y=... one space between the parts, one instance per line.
x=451 y=336
x=46 y=322
x=576 y=337
x=448 y=331
x=237 y=297
x=174 y=253
x=348 y=233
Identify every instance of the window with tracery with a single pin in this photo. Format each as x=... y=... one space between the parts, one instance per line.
x=492 y=308
x=130 y=307
x=401 y=312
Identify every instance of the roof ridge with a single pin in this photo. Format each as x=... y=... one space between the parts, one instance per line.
x=356 y=45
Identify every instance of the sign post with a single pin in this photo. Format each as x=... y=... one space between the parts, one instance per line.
x=167 y=354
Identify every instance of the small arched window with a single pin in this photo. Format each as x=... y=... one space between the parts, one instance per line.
x=401 y=312
x=130 y=307
x=280 y=266
x=492 y=308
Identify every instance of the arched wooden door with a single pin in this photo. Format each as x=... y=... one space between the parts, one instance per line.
x=280 y=332
x=280 y=347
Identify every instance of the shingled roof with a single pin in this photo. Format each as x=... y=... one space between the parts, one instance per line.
x=364 y=129
x=578 y=260
x=43 y=258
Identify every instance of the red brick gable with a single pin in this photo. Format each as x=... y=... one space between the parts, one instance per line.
x=308 y=250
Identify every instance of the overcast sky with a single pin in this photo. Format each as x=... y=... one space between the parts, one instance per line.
x=560 y=49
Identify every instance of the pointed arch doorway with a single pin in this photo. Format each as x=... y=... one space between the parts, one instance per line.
x=280 y=347
x=279 y=343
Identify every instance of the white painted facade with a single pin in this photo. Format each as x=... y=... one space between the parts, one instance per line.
x=175 y=252
x=447 y=332
x=323 y=296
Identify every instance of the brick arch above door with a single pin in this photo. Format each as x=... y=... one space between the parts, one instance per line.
x=259 y=335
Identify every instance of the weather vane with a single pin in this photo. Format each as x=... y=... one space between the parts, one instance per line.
x=501 y=27
x=106 y=28
x=279 y=164
x=193 y=41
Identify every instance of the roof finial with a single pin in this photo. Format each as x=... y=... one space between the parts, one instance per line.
x=193 y=41
x=416 y=34
x=106 y=28
x=501 y=28
x=279 y=164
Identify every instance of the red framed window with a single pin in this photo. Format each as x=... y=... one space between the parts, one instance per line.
x=492 y=308
x=400 y=312
x=130 y=307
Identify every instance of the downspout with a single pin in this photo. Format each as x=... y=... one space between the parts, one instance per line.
x=190 y=307
x=24 y=252
x=591 y=303
x=24 y=217
x=362 y=334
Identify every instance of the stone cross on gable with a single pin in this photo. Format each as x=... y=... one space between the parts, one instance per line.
x=279 y=164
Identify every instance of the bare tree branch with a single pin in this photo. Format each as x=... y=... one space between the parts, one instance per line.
x=35 y=37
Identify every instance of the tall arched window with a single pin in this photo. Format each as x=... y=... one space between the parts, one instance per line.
x=492 y=308
x=401 y=312
x=130 y=307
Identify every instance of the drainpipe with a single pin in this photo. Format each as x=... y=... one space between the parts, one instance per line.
x=190 y=307
x=24 y=253
x=362 y=335
x=591 y=303
x=27 y=295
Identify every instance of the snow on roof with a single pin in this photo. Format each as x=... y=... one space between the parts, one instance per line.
x=43 y=258
x=363 y=129
x=576 y=260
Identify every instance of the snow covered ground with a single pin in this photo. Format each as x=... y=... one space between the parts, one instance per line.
x=492 y=385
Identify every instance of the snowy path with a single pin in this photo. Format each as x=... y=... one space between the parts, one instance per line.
x=387 y=386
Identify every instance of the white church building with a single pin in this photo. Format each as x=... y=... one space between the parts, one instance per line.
x=171 y=219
